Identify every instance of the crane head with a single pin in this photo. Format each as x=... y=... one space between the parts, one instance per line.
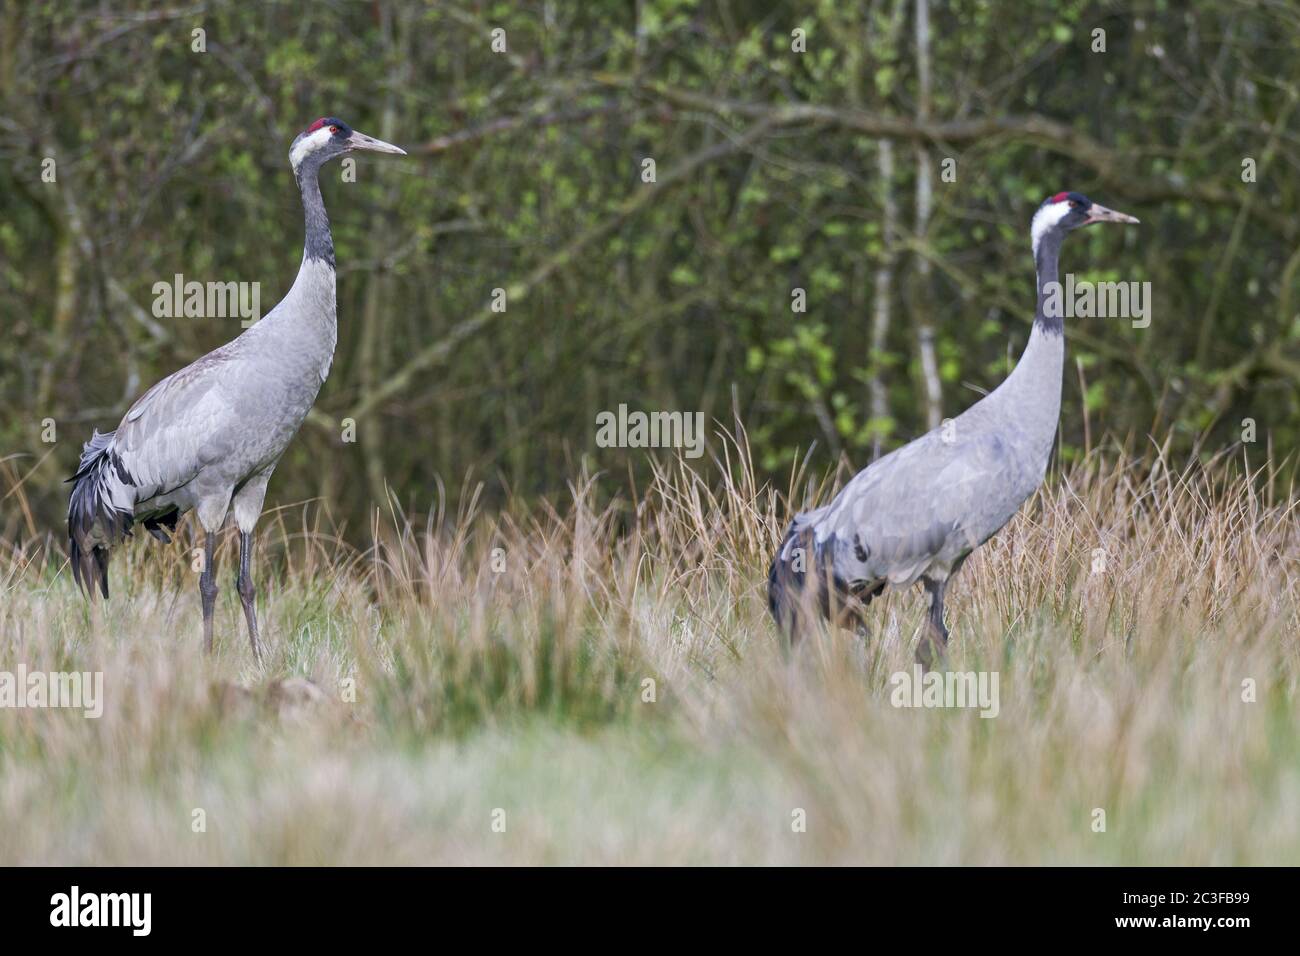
x=329 y=137
x=1065 y=212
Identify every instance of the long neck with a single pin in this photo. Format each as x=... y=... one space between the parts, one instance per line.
x=318 y=243
x=307 y=314
x=1031 y=394
x=1046 y=256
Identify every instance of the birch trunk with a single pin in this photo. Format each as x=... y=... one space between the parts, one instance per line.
x=931 y=387
x=878 y=392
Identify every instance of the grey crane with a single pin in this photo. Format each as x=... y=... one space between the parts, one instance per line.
x=209 y=436
x=918 y=512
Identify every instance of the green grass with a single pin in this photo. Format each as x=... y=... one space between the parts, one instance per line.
x=523 y=691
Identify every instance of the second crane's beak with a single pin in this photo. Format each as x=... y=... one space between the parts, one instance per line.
x=362 y=141
x=1098 y=213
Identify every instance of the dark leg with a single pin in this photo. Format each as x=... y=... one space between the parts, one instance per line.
x=934 y=642
x=208 y=586
x=244 y=585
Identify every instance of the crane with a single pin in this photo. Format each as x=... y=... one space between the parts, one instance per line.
x=918 y=512
x=208 y=437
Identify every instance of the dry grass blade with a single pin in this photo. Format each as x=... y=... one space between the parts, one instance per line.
x=605 y=671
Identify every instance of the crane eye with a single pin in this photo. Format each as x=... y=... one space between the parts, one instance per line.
x=334 y=129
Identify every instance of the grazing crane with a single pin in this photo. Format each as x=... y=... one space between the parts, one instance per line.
x=208 y=437
x=918 y=512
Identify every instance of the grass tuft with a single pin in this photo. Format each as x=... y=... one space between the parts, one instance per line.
x=605 y=673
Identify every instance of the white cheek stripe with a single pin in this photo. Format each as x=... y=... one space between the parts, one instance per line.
x=308 y=144
x=1046 y=218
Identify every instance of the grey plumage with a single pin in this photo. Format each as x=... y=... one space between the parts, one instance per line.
x=918 y=512
x=207 y=438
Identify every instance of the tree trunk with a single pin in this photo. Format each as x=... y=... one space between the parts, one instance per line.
x=931 y=388
x=877 y=390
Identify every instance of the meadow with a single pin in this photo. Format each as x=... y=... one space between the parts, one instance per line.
x=599 y=683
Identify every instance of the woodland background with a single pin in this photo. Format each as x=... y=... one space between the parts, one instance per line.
x=775 y=170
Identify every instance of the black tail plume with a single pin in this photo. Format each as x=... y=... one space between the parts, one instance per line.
x=788 y=578
x=803 y=582
x=95 y=523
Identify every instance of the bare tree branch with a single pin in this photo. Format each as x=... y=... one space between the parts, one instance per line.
x=642 y=197
x=1113 y=168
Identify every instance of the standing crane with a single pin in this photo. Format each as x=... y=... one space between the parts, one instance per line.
x=918 y=512
x=208 y=436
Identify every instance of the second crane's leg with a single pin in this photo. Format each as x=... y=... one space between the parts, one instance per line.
x=208 y=585
x=247 y=593
x=934 y=642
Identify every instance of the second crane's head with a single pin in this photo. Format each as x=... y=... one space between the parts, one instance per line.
x=1063 y=213
x=329 y=137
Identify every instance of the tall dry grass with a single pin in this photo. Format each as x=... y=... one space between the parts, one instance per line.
x=500 y=662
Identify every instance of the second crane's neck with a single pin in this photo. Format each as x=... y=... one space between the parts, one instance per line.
x=318 y=244
x=1032 y=392
x=1048 y=316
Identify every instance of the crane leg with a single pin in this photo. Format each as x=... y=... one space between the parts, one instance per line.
x=247 y=593
x=208 y=585
x=934 y=642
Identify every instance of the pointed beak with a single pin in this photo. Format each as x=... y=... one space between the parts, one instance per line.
x=1098 y=213
x=362 y=141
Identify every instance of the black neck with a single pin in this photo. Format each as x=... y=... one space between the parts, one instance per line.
x=318 y=243
x=1045 y=263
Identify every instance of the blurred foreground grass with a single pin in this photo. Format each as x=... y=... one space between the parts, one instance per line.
x=511 y=686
